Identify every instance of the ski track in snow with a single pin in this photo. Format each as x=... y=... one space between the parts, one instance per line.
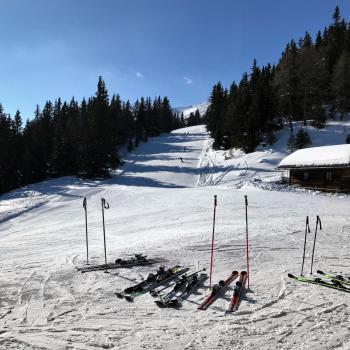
x=163 y=208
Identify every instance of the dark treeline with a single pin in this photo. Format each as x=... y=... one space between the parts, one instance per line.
x=310 y=82
x=71 y=138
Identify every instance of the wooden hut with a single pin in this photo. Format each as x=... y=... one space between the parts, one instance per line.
x=324 y=168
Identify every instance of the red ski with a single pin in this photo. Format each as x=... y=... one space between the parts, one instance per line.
x=237 y=292
x=217 y=290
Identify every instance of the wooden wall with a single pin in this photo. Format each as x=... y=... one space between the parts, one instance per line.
x=317 y=178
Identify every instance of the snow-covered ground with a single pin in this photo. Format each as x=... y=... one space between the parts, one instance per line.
x=163 y=208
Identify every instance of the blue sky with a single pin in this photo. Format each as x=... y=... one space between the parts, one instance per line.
x=178 y=48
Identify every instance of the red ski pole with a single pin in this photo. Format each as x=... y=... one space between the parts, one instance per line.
x=212 y=242
x=246 y=230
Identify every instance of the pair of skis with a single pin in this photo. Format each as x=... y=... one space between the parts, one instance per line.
x=181 y=290
x=221 y=287
x=153 y=281
x=138 y=260
x=336 y=282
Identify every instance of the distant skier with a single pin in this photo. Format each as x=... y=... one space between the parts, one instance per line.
x=181 y=160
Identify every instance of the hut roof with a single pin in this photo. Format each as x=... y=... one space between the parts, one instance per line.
x=318 y=157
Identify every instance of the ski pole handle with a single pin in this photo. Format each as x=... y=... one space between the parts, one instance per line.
x=307 y=225
x=215 y=200
x=84 y=203
x=319 y=222
x=105 y=204
x=246 y=200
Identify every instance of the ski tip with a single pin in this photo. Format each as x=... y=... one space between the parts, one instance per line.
x=290 y=275
x=129 y=299
x=320 y=272
x=202 y=307
x=119 y=295
x=174 y=303
x=159 y=303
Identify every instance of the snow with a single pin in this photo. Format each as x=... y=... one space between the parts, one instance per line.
x=202 y=108
x=337 y=155
x=164 y=208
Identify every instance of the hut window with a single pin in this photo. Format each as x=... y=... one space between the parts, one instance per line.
x=329 y=176
x=306 y=176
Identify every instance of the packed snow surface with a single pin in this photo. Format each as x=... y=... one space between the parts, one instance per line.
x=163 y=207
x=336 y=155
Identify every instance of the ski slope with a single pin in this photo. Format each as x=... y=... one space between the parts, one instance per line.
x=163 y=208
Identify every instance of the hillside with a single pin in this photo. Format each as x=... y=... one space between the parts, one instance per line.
x=202 y=107
x=163 y=207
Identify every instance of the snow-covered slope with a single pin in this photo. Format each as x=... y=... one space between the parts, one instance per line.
x=202 y=107
x=258 y=169
x=163 y=208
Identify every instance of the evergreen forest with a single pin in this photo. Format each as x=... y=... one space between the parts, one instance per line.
x=310 y=83
x=77 y=138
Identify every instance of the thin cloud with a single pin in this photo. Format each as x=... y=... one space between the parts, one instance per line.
x=139 y=74
x=188 y=81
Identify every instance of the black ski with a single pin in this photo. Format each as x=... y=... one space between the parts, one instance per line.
x=191 y=286
x=138 y=260
x=179 y=286
x=156 y=293
x=151 y=282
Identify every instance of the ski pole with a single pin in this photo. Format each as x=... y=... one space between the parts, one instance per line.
x=307 y=230
x=105 y=205
x=86 y=230
x=212 y=243
x=246 y=230
x=318 y=224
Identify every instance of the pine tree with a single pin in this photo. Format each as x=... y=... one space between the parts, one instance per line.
x=313 y=82
x=302 y=139
x=341 y=84
x=286 y=82
x=291 y=143
x=216 y=114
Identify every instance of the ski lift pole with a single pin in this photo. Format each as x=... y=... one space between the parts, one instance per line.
x=246 y=231
x=86 y=230
x=105 y=205
x=307 y=230
x=212 y=243
x=318 y=224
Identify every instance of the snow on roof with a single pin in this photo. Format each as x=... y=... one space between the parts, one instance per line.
x=325 y=156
